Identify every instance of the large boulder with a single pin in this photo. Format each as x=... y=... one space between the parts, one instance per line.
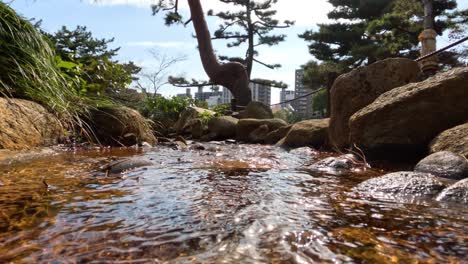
x=457 y=192
x=120 y=126
x=444 y=164
x=354 y=90
x=223 y=127
x=307 y=133
x=247 y=126
x=402 y=183
x=256 y=110
x=407 y=118
x=25 y=124
x=184 y=122
x=454 y=140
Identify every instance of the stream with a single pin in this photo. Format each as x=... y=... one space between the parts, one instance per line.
x=225 y=204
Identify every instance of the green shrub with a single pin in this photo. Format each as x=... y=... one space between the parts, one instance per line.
x=28 y=67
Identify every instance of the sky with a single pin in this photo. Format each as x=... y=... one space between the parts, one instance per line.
x=136 y=31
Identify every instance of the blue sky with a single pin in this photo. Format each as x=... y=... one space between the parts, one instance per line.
x=135 y=30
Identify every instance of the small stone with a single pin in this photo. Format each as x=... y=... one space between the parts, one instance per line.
x=444 y=164
x=123 y=165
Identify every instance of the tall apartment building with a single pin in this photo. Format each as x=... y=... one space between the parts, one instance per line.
x=303 y=105
x=260 y=93
x=286 y=95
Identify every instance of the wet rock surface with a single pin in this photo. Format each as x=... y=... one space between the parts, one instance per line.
x=454 y=140
x=123 y=165
x=444 y=164
x=402 y=183
x=457 y=192
x=340 y=165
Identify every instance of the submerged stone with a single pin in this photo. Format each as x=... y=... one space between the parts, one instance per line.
x=457 y=192
x=402 y=183
x=120 y=166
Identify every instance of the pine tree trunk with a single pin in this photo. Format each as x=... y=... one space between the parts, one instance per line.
x=428 y=14
x=232 y=75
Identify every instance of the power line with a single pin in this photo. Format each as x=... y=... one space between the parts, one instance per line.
x=297 y=98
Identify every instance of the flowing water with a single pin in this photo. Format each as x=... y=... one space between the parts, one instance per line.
x=226 y=204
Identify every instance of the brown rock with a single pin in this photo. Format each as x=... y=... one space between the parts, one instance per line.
x=259 y=134
x=120 y=126
x=454 y=140
x=407 y=118
x=25 y=124
x=183 y=124
x=256 y=110
x=307 y=133
x=360 y=87
x=224 y=126
x=274 y=136
x=246 y=126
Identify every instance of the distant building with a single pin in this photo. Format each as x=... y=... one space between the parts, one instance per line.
x=204 y=96
x=187 y=94
x=286 y=95
x=260 y=93
x=302 y=105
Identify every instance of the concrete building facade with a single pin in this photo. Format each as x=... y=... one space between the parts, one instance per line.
x=303 y=106
x=260 y=93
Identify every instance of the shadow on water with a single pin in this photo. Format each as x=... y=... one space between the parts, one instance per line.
x=229 y=203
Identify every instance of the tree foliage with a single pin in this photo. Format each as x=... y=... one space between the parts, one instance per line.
x=366 y=31
x=251 y=24
x=89 y=62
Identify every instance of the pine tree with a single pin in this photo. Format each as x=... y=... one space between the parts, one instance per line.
x=370 y=30
x=232 y=75
x=251 y=25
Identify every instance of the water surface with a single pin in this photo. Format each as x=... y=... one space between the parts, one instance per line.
x=226 y=204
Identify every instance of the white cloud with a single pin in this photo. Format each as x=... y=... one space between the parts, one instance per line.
x=304 y=12
x=161 y=44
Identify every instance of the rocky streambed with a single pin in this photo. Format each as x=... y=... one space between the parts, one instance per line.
x=222 y=202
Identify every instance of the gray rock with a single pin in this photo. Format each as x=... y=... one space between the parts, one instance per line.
x=336 y=165
x=444 y=164
x=123 y=165
x=402 y=183
x=457 y=192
